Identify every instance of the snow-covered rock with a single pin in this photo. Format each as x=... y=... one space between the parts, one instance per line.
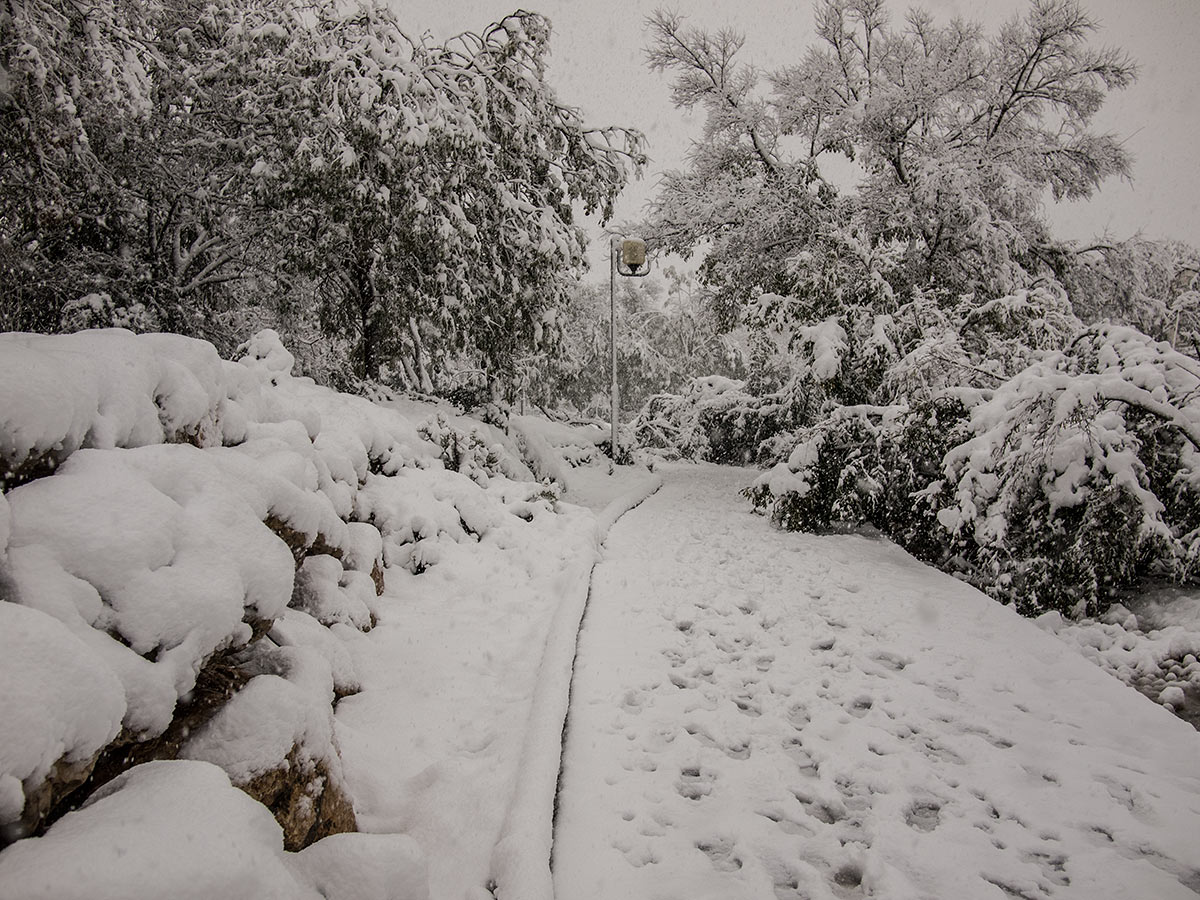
x=191 y=553
x=108 y=388
x=60 y=706
x=163 y=829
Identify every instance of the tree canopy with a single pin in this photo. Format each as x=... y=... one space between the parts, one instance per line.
x=960 y=137
x=172 y=163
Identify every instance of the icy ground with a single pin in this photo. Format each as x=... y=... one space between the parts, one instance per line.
x=760 y=714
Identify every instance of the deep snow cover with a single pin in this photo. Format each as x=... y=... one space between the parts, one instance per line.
x=754 y=713
x=166 y=510
x=760 y=714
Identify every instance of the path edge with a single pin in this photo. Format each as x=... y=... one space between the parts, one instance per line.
x=521 y=857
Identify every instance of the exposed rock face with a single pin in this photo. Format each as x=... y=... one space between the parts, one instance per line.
x=305 y=799
x=70 y=784
x=301 y=545
x=41 y=797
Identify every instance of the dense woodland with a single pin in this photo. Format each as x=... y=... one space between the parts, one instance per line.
x=917 y=354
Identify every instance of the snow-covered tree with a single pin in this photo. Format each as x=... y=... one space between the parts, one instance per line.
x=959 y=136
x=1153 y=285
x=178 y=159
x=665 y=337
x=71 y=74
x=430 y=195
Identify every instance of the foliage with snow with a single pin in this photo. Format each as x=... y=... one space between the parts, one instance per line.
x=958 y=135
x=1057 y=487
x=662 y=343
x=205 y=168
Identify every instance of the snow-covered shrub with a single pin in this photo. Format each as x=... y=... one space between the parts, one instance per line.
x=861 y=466
x=103 y=389
x=99 y=310
x=465 y=450
x=715 y=419
x=1064 y=484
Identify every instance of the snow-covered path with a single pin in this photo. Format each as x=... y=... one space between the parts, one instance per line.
x=757 y=714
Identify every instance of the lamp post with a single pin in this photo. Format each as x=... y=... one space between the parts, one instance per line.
x=630 y=261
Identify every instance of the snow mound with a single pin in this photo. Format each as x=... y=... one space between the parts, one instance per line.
x=60 y=702
x=108 y=388
x=191 y=553
x=263 y=721
x=163 y=548
x=364 y=867
x=127 y=843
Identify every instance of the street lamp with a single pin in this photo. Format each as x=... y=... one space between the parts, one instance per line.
x=629 y=261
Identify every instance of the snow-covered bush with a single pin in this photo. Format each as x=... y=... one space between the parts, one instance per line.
x=1056 y=489
x=466 y=449
x=716 y=419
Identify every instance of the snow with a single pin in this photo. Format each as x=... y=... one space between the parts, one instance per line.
x=364 y=867
x=60 y=701
x=175 y=550
x=263 y=721
x=330 y=594
x=164 y=829
x=107 y=388
x=1154 y=650
x=162 y=545
x=752 y=713
x=766 y=714
x=432 y=744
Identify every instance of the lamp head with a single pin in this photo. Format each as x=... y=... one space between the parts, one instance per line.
x=633 y=254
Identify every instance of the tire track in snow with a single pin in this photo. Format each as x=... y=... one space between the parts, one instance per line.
x=767 y=715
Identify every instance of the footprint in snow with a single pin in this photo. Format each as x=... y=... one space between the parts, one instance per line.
x=1053 y=866
x=632 y=701
x=680 y=681
x=820 y=810
x=924 y=815
x=895 y=661
x=786 y=823
x=675 y=656
x=638 y=761
x=749 y=606
x=693 y=783
x=798 y=716
x=637 y=853
x=860 y=705
x=998 y=742
x=721 y=854
x=847 y=881
x=747 y=705
x=824 y=643
x=937 y=751
x=737 y=749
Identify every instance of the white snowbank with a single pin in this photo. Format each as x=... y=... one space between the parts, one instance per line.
x=364 y=867
x=196 y=503
x=106 y=388
x=59 y=702
x=163 y=546
x=163 y=829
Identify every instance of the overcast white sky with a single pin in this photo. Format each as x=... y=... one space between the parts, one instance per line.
x=598 y=65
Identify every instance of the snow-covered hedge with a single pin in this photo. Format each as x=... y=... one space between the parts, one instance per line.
x=716 y=419
x=186 y=544
x=1056 y=489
